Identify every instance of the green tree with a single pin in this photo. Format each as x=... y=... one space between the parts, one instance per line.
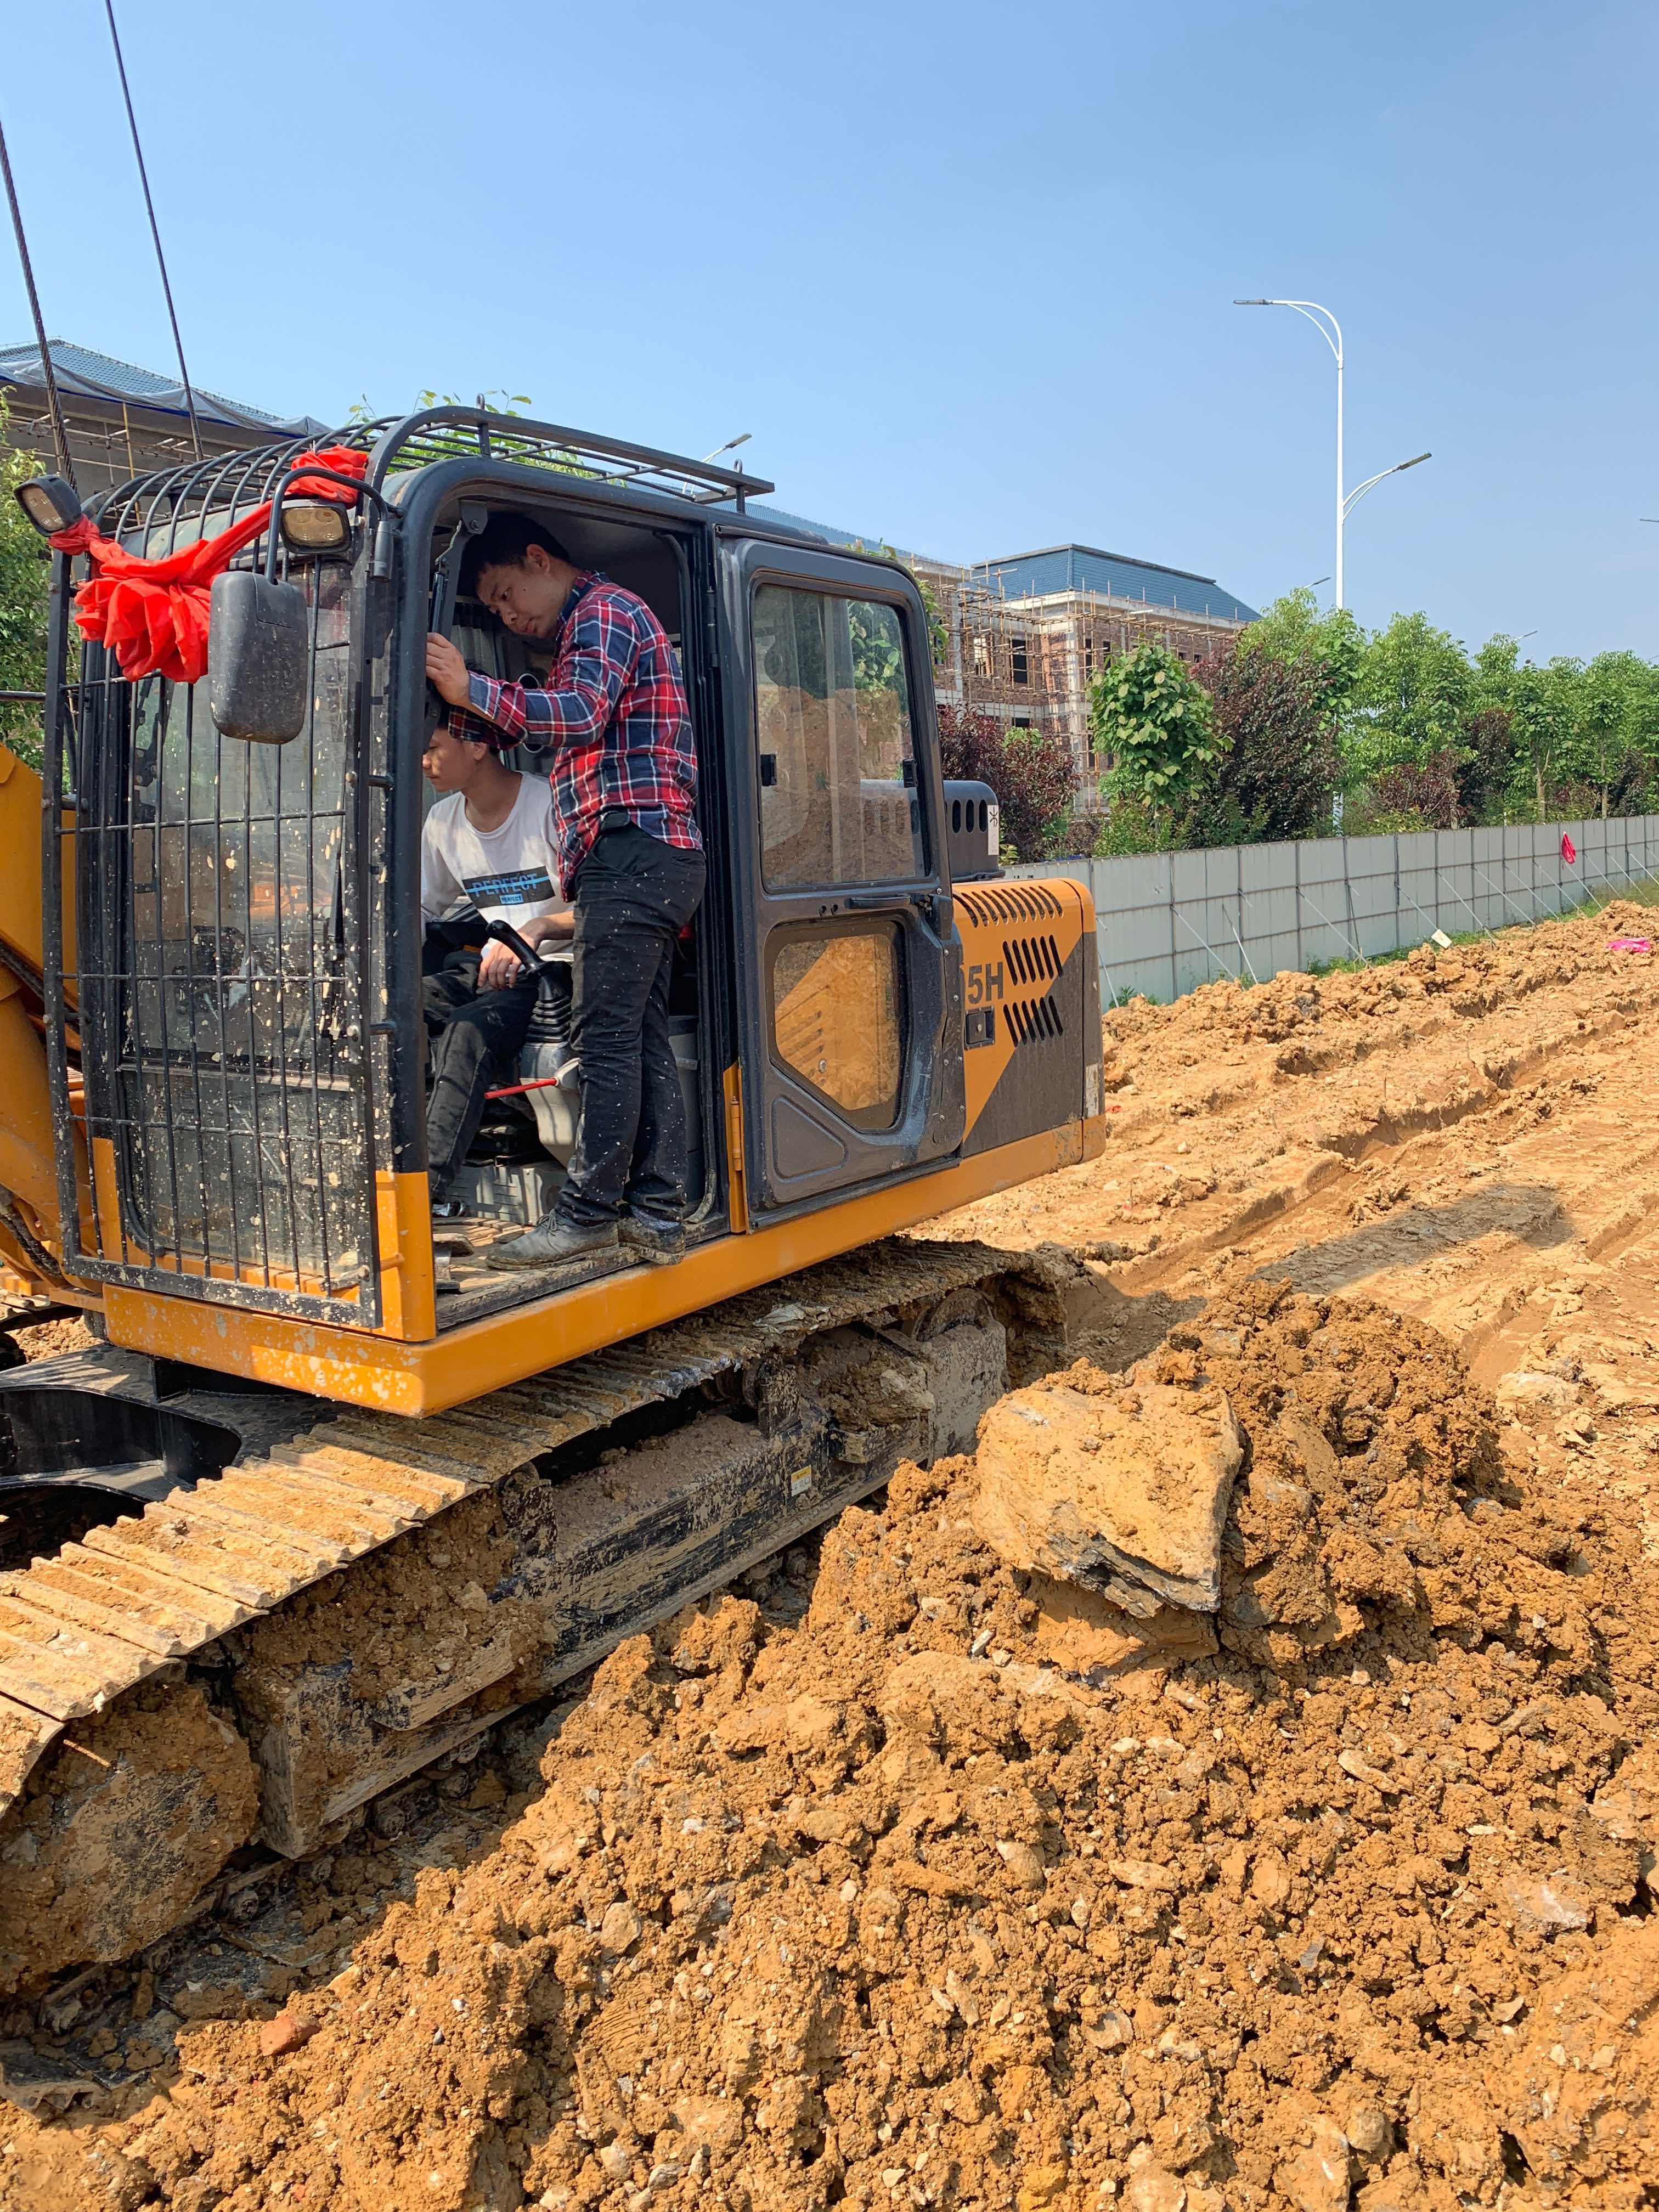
x=1611 y=741
x=1483 y=762
x=1493 y=670
x=1328 y=648
x=1158 y=724
x=1539 y=718
x=1409 y=700
x=25 y=574
x=939 y=637
x=1279 y=759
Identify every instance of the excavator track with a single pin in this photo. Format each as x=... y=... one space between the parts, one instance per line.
x=183 y=1682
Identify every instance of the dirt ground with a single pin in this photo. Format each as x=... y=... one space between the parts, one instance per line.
x=901 y=1876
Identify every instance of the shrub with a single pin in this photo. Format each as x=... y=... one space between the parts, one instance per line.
x=1029 y=772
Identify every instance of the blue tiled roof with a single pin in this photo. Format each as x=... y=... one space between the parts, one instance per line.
x=87 y=374
x=1087 y=569
x=1059 y=568
x=871 y=541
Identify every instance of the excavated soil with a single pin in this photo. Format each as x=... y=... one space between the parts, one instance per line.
x=908 y=1877
x=44 y=1339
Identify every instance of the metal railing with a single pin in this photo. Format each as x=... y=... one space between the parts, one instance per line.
x=1170 y=921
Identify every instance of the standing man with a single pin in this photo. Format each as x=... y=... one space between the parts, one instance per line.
x=613 y=724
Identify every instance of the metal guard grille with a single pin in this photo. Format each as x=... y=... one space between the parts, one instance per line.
x=221 y=986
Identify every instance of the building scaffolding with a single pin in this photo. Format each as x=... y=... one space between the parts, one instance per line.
x=1030 y=662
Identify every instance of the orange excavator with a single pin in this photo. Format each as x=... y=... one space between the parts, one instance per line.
x=328 y=1496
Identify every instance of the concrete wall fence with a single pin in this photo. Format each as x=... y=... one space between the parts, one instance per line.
x=1168 y=921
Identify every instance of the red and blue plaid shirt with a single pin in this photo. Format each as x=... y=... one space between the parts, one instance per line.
x=613 y=715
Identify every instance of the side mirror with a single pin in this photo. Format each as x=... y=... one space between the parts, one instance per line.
x=258 y=658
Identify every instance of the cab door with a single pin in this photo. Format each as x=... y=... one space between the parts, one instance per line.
x=849 y=966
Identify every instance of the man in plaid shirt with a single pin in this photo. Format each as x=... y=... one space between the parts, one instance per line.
x=612 y=723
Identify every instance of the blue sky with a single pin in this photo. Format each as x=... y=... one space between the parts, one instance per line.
x=964 y=271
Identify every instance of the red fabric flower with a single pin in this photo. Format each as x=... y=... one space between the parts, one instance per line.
x=153 y=615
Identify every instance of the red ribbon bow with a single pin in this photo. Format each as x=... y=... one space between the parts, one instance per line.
x=153 y=615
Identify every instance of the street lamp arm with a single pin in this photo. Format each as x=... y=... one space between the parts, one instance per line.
x=1311 y=312
x=1360 y=490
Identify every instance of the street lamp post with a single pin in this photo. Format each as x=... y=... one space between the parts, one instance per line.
x=1346 y=501
x=1331 y=331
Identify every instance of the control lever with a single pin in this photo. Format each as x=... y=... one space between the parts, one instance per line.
x=504 y=934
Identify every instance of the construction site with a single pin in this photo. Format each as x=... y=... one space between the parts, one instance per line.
x=704 y=1502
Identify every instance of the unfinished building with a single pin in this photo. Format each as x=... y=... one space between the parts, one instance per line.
x=123 y=420
x=1023 y=637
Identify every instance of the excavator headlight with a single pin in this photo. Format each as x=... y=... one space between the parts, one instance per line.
x=51 y=504
x=315 y=525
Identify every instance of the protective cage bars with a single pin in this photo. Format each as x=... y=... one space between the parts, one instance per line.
x=221 y=985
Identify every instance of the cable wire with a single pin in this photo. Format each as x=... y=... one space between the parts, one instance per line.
x=149 y=209
x=59 y=433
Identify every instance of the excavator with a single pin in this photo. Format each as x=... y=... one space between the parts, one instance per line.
x=328 y=1498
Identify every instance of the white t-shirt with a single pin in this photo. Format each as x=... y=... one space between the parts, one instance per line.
x=509 y=874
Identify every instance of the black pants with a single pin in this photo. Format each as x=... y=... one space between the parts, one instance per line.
x=633 y=895
x=475 y=1038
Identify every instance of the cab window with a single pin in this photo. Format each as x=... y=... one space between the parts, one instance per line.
x=837 y=776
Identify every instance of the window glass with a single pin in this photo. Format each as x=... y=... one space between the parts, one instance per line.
x=837 y=1021
x=838 y=801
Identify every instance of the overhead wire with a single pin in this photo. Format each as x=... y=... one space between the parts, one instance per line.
x=59 y=431
x=154 y=232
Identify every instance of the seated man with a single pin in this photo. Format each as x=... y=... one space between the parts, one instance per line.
x=612 y=723
x=488 y=841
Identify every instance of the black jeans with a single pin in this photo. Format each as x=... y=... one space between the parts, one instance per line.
x=633 y=895
x=475 y=1038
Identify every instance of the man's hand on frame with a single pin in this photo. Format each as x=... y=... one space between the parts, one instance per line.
x=446 y=671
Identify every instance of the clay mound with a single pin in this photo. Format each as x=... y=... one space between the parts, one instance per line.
x=1308 y=1017
x=970 y=1889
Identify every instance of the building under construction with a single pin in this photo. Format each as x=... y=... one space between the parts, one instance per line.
x=1023 y=637
x=122 y=421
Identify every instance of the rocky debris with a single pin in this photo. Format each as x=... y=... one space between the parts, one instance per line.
x=289 y=2030
x=1119 y=1486
x=912 y=1900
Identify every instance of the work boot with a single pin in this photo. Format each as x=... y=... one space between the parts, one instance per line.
x=552 y=1243
x=656 y=1238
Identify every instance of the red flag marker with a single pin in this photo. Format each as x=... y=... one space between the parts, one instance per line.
x=1569 y=850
